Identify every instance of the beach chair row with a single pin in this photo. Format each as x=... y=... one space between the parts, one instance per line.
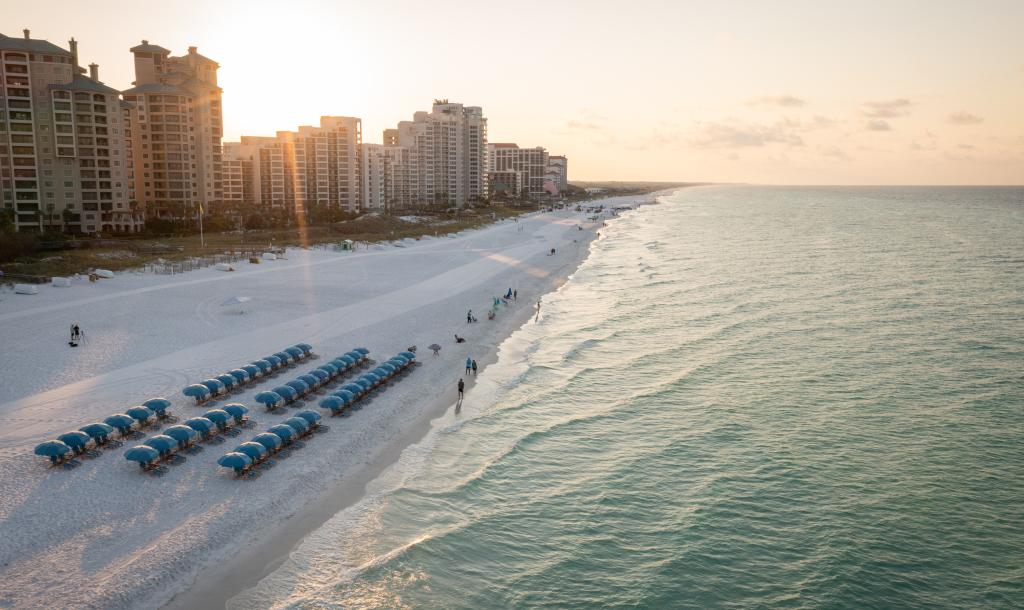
x=303 y=385
x=352 y=394
x=234 y=379
x=168 y=446
x=89 y=439
x=277 y=442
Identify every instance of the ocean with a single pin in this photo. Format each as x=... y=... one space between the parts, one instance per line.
x=745 y=397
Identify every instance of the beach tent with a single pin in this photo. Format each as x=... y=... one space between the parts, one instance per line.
x=120 y=421
x=26 y=289
x=298 y=424
x=252 y=370
x=238 y=461
x=287 y=392
x=197 y=391
x=312 y=417
x=61 y=282
x=268 y=440
x=236 y=304
x=269 y=399
x=236 y=411
x=287 y=433
x=77 y=439
x=54 y=450
x=255 y=451
x=142 y=454
x=162 y=443
x=183 y=435
x=140 y=414
x=239 y=375
x=98 y=431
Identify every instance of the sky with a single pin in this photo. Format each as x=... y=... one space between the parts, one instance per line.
x=781 y=92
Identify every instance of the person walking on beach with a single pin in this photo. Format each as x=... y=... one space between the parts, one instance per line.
x=469 y=365
x=462 y=387
x=515 y=294
x=474 y=368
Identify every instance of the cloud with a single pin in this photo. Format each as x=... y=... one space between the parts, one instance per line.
x=834 y=152
x=582 y=126
x=966 y=146
x=745 y=135
x=964 y=118
x=887 y=109
x=787 y=101
x=877 y=125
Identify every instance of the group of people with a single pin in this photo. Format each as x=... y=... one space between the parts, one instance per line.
x=76 y=335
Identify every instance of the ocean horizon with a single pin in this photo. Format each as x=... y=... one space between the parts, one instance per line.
x=746 y=396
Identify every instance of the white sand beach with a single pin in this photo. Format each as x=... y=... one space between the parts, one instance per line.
x=105 y=535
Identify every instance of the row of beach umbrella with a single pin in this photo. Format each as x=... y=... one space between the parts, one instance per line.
x=236 y=378
x=349 y=394
x=183 y=436
x=310 y=382
x=77 y=442
x=277 y=438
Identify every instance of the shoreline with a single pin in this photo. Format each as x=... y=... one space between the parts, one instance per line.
x=259 y=557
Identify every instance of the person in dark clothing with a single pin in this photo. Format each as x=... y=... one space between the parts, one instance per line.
x=469 y=365
x=462 y=386
x=515 y=295
x=474 y=368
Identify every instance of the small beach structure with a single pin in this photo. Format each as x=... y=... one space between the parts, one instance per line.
x=57 y=451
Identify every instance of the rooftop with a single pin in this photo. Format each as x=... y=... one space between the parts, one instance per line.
x=84 y=83
x=145 y=47
x=31 y=46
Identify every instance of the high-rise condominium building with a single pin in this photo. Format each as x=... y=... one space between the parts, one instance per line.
x=389 y=177
x=557 y=174
x=296 y=170
x=177 y=143
x=530 y=163
x=450 y=145
x=63 y=159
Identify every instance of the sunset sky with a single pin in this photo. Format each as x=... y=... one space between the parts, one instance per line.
x=897 y=92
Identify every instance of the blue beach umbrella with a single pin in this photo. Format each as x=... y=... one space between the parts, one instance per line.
x=140 y=414
x=287 y=392
x=197 y=391
x=274 y=360
x=215 y=386
x=236 y=411
x=388 y=368
x=348 y=360
x=162 y=443
x=400 y=360
x=98 y=431
x=332 y=403
x=218 y=417
x=345 y=396
x=252 y=370
x=268 y=440
x=381 y=372
x=238 y=461
x=200 y=424
x=75 y=440
x=356 y=389
x=312 y=417
x=142 y=454
x=297 y=423
x=357 y=356
x=300 y=387
x=287 y=433
x=239 y=375
x=339 y=364
x=120 y=421
x=322 y=374
x=285 y=357
x=270 y=399
x=228 y=381
x=52 y=449
x=263 y=365
x=364 y=383
x=311 y=380
x=159 y=405
x=305 y=347
x=255 y=451
x=409 y=355
x=180 y=433
x=361 y=350
x=295 y=353
x=369 y=377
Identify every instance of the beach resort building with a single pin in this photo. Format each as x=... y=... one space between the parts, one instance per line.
x=177 y=144
x=62 y=142
x=556 y=178
x=530 y=163
x=389 y=177
x=449 y=145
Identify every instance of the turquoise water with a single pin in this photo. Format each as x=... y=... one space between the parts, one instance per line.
x=745 y=397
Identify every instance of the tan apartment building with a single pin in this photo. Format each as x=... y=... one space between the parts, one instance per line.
x=389 y=177
x=63 y=159
x=530 y=163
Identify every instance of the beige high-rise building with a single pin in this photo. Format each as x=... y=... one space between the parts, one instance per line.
x=530 y=163
x=62 y=144
x=558 y=174
x=389 y=177
x=237 y=180
x=177 y=144
x=450 y=146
